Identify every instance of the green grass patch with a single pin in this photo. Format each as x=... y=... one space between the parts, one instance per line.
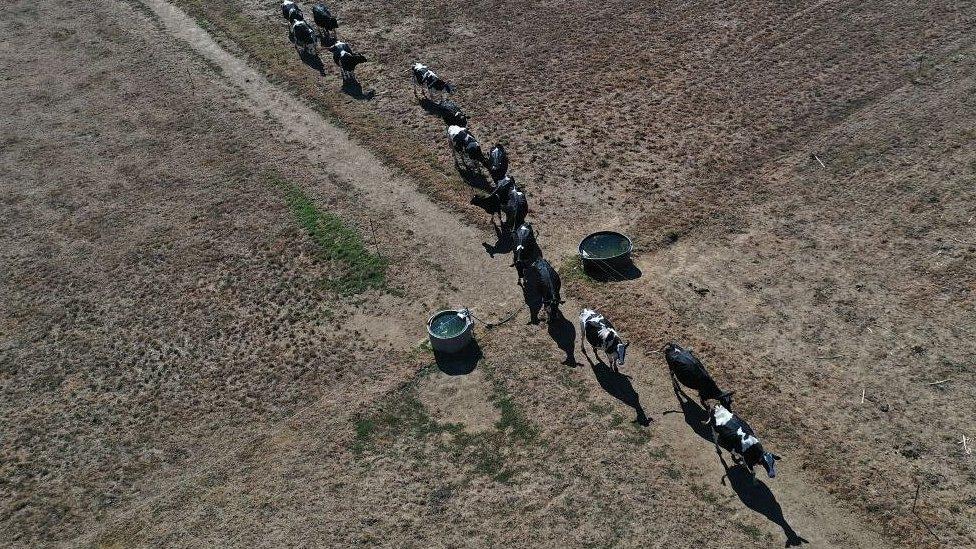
x=402 y=426
x=359 y=269
x=752 y=531
x=571 y=270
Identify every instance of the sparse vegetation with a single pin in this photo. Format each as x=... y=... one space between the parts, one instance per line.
x=361 y=269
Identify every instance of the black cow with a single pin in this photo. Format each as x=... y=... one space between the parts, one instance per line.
x=465 y=146
x=515 y=210
x=346 y=60
x=549 y=286
x=428 y=81
x=731 y=432
x=497 y=197
x=596 y=329
x=497 y=162
x=525 y=249
x=303 y=37
x=690 y=372
x=327 y=24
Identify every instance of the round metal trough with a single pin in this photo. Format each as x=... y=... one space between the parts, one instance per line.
x=450 y=331
x=605 y=252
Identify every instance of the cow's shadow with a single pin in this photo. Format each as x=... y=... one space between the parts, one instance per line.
x=473 y=176
x=461 y=363
x=504 y=243
x=312 y=60
x=758 y=497
x=618 y=386
x=354 y=89
x=695 y=416
x=563 y=332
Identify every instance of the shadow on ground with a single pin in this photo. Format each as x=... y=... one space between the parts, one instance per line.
x=757 y=496
x=503 y=241
x=460 y=363
x=313 y=61
x=619 y=386
x=695 y=416
x=604 y=272
x=354 y=89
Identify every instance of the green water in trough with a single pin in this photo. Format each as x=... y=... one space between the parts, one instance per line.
x=447 y=325
x=605 y=246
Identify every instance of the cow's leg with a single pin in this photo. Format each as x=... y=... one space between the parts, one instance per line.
x=674 y=383
x=718 y=449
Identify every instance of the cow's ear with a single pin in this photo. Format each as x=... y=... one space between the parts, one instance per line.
x=776 y=457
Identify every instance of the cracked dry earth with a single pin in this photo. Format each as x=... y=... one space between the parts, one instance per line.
x=174 y=373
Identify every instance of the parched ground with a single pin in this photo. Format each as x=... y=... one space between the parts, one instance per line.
x=186 y=361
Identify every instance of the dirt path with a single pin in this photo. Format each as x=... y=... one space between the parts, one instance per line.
x=484 y=284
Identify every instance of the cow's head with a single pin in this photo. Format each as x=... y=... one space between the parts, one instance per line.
x=517 y=255
x=768 y=462
x=672 y=349
x=619 y=353
x=726 y=399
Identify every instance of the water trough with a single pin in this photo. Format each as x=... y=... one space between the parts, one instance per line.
x=451 y=330
x=606 y=253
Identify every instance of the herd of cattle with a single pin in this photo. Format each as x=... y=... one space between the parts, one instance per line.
x=509 y=203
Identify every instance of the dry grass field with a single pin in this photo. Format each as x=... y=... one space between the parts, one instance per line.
x=216 y=265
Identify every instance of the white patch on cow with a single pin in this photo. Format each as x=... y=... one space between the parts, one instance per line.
x=604 y=333
x=419 y=67
x=746 y=441
x=586 y=314
x=722 y=416
x=453 y=131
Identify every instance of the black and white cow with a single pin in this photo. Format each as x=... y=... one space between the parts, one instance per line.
x=497 y=162
x=427 y=81
x=452 y=113
x=291 y=12
x=731 y=432
x=525 y=249
x=601 y=334
x=346 y=60
x=327 y=24
x=690 y=372
x=515 y=210
x=303 y=36
x=549 y=286
x=465 y=145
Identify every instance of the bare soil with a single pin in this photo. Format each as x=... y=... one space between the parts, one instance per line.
x=175 y=372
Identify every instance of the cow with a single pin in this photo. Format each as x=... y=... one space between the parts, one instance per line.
x=601 y=334
x=549 y=286
x=303 y=37
x=428 y=81
x=493 y=202
x=291 y=12
x=327 y=24
x=525 y=249
x=497 y=162
x=515 y=210
x=346 y=60
x=465 y=146
x=732 y=433
x=452 y=113
x=690 y=372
